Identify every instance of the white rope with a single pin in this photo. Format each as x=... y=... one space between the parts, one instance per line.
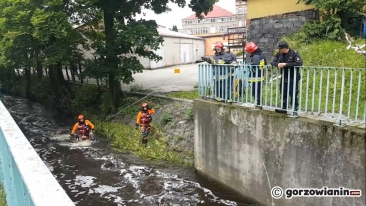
x=140 y=99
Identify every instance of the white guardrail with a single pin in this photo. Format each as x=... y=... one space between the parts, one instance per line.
x=25 y=178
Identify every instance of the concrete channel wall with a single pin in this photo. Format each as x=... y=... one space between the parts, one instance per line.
x=26 y=179
x=252 y=151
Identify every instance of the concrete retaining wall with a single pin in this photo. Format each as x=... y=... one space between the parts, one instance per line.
x=24 y=176
x=266 y=32
x=234 y=145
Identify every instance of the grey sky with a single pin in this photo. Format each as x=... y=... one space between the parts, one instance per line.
x=177 y=14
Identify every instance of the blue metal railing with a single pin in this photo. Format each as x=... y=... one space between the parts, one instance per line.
x=329 y=93
x=25 y=178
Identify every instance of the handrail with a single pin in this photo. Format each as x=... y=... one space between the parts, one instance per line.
x=25 y=178
x=328 y=93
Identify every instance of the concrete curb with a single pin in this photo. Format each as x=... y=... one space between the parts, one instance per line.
x=161 y=96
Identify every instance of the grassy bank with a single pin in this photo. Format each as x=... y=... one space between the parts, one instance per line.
x=2 y=196
x=124 y=136
x=185 y=94
x=127 y=138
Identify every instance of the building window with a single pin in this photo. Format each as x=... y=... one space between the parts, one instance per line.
x=198 y=21
x=245 y=10
x=240 y=24
x=204 y=30
x=223 y=19
x=240 y=10
x=212 y=20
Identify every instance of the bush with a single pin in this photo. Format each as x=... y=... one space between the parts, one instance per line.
x=239 y=54
x=87 y=99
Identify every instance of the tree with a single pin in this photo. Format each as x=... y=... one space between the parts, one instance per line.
x=331 y=11
x=175 y=28
x=122 y=32
x=40 y=34
x=37 y=34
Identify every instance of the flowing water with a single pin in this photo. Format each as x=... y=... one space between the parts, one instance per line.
x=92 y=174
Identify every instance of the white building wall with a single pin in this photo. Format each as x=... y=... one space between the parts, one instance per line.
x=176 y=51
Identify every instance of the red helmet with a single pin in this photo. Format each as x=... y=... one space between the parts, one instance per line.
x=251 y=47
x=219 y=44
x=144 y=104
x=80 y=117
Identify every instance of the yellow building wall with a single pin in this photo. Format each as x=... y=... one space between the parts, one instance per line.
x=263 y=8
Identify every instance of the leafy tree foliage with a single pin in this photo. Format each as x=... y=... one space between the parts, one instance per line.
x=175 y=28
x=40 y=36
x=331 y=12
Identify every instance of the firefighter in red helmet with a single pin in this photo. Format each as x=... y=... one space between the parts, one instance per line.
x=143 y=120
x=256 y=76
x=223 y=74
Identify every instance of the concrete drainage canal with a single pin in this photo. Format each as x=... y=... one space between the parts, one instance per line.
x=94 y=175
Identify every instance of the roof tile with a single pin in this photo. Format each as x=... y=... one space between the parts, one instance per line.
x=216 y=12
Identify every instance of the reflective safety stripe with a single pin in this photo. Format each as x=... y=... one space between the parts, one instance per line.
x=224 y=77
x=259 y=79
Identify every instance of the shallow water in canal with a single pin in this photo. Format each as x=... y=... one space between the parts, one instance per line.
x=93 y=174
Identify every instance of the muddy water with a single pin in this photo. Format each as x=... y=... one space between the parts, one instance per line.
x=91 y=174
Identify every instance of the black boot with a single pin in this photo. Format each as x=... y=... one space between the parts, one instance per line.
x=144 y=141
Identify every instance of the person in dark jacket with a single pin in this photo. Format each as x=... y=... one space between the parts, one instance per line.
x=256 y=76
x=222 y=74
x=286 y=60
x=227 y=50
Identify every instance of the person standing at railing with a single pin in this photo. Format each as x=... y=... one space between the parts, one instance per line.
x=287 y=59
x=257 y=60
x=223 y=75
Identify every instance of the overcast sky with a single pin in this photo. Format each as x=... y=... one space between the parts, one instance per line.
x=177 y=14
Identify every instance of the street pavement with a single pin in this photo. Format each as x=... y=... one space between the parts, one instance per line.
x=160 y=80
x=165 y=79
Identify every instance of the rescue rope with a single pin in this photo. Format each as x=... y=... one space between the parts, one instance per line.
x=140 y=99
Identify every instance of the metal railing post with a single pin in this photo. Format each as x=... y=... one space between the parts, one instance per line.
x=294 y=89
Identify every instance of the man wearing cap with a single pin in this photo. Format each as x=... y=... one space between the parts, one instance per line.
x=287 y=59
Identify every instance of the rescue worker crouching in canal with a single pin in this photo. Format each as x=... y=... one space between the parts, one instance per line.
x=286 y=60
x=143 y=120
x=256 y=75
x=84 y=128
x=223 y=75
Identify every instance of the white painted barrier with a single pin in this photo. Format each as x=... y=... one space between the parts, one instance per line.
x=25 y=178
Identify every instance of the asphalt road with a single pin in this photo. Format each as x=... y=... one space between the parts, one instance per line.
x=166 y=80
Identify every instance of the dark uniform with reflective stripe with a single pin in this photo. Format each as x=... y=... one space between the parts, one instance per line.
x=292 y=59
x=258 y=60
x=222 y=74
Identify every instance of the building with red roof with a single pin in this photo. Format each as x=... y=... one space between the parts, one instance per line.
x=211 y=27
x=216 y=21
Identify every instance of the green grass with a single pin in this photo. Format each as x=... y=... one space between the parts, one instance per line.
x=127 y=138
x=2 y=196
x=328 y=53
x=185 y=95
